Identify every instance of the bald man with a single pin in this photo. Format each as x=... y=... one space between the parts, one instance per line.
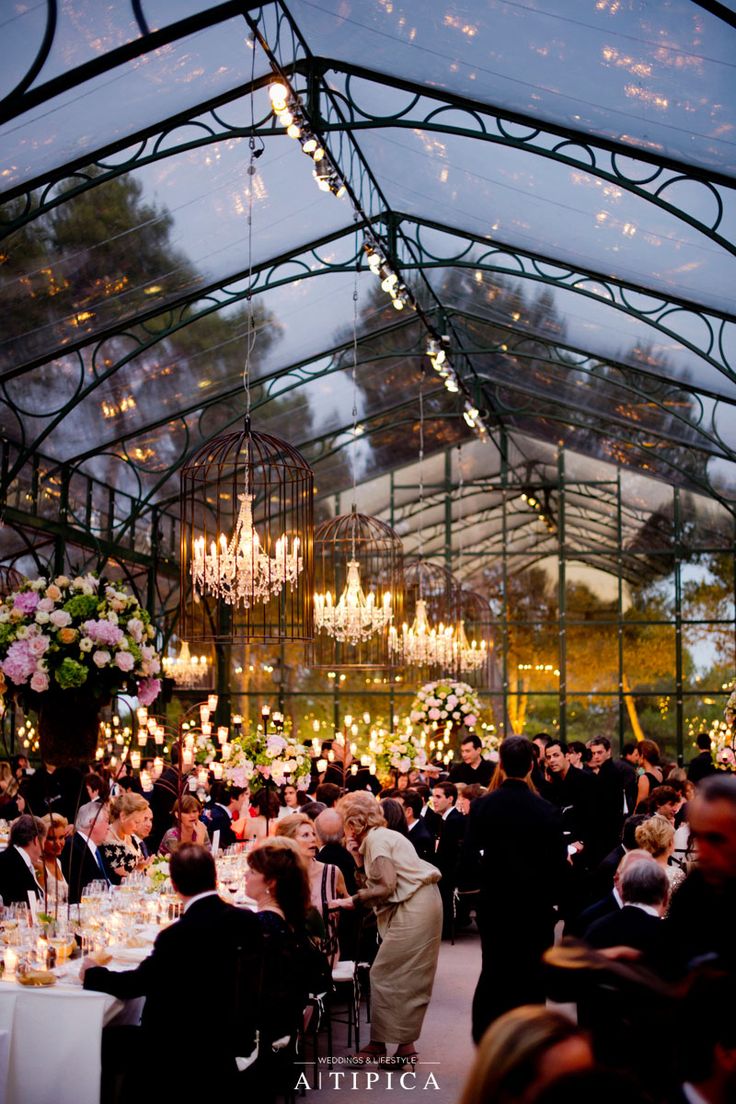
x=330 y=833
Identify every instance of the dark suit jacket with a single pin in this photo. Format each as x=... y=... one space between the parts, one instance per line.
x=447 y=855
x=580 y=924
x=632 y=927
x=577 y=796
x=700 y=767
x=340 y=857
x=79 y=866
x=210 y=958
x=215 y=819
x=422 y=840
x=514 y=838
x=15 y=878
x=463 y=772
x=432 y=821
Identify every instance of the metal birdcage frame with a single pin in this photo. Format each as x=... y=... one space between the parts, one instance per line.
x=281 y=484
x=438 y=588
x=379 y=553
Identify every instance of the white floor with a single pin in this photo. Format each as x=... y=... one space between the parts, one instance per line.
x=446 y=1049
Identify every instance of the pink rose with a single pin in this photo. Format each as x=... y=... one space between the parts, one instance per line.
x=39 y=682
x=101 y=657
x=434 y=714
x=148 y=690
x=60 y=618
x=124 y=660
x=471 y=720
x=37 y=645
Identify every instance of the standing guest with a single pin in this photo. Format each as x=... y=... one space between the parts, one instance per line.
x=290 y=799
x=651 y=774
x=393 y=814
x=665 y=801
x=578 y=755
x=702 y=914
x=524 y=1051
x=48 y=870
x=188 y=829
x=12 y=802
x=468 y=794
x=611 y=795
x=81 y=860
x=328 y=793
x=657 y=836
x=629 y=765
x=232 y=942
x=325 y=879
x=473 y=767
x=421 y=838
x=515 y=838
x=402 y=890
x=702 y=765
x=19 y=859
x=119 y=853
x=575 y=793
x=447 y=854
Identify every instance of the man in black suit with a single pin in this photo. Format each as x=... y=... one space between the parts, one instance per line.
x=17 y=876
x=702 y=765
x=331 y=833
x=81 y=860
x=449 y=842
x=644 y=888
x=515 y=839
x=211 y=958
x=473 y=767
x=575 y=793
x=612 y=801
x=610 y=902
x=419 y=834
x=166 y=791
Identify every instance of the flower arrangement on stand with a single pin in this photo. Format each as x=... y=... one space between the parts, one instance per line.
x=723 y=736
x=442 y=703
x=66 y=647
x=261 y=757
x=403 y=751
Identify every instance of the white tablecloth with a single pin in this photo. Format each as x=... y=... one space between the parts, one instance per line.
x=54 y=1041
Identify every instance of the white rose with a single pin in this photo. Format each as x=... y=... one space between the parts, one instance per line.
x=21 y=632
x=42 y=617
x=4 y=617
x=39 y=584
x=112 y=617
x=86 y=644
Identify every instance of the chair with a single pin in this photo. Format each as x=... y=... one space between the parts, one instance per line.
x=345 y=980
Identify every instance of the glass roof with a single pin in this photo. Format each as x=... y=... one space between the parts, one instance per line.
x=557 y=187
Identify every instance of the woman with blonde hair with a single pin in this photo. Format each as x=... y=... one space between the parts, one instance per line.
x=48 y=868
x=522 y=1052
x=188 y=828
x=402 y=890
x=325 y=880
x=657 y=836
x=119 y=851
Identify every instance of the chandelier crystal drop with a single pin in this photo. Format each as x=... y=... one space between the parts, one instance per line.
x=422 y=644
x=238 y=571
x=355 y=617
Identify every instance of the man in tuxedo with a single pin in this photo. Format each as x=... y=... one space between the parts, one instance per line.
x=81 y=860
x=515 y=840
x=613 y=804
x=610 y=902
x=211 y=958
x=219 y=814
x=449 y=842
x=419 y=834
x=17 y=876
x=576 y=795
x=331 y=835
x=702 y=765
x=166 y=791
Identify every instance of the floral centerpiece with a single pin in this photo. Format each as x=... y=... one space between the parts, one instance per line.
x=403 y=751
x=66 y=647
x=276 y=757
x=723 y=736
x=445 y=702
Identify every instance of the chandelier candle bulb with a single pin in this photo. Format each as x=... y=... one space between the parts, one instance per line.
x=204 y=713
x=217 y=771
x=135 y=760
x=212 y=703
x=237 y=720
x=187 y=757
x=321 y=766
x=222 y=734
x=207 y=729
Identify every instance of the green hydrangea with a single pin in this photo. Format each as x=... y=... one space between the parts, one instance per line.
x=7 y=633
x=82 y=606
x=70 y=673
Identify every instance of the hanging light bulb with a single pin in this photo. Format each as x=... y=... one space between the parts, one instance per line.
x=238 y=571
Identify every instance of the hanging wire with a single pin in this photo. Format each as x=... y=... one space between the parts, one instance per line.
x=251 y=330
x=421 y=474
x=354 y=446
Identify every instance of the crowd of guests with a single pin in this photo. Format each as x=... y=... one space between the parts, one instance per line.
x=604 y=884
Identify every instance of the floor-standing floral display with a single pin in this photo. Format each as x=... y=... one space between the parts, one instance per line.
x=66 y=647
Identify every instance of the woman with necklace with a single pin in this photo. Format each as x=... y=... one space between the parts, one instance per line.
x=119 y=851
x=48 y=869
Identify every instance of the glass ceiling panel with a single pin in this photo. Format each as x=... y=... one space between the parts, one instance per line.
x=557 y=314
x=135 y=243
x=514 y=198
x=654 y=77
x=117 y=104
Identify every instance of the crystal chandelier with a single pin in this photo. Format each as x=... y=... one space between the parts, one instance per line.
x=421 y=644
x=238 y=570
x=355 y=617
x=186 y=670
x=468 y=655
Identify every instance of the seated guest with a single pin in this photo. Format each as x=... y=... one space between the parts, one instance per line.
x=312 y=809
x=221 y=811
x=142 y=832
x=328 y=793
x=266 y=804
x=277 y=881
x=331 y=835
x=611 y=902
x=524 y=1051
x=17 y=861
x=81 y=860
x=48 y=870
x=657 y=836
x=188 y=829
x=96 y=788
x=119 y=853
x=230 y=942
x=291 y=799
x=419 y=834
x=603 y=877
x=323 y=877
